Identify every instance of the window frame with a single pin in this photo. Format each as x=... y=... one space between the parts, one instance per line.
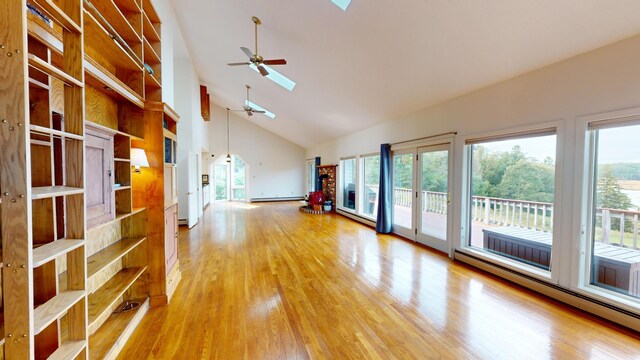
x=462 y=243
x=360 y=162
x=340 y=192
x=584 y=193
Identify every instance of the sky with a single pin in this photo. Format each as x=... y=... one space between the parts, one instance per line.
x=617 y=145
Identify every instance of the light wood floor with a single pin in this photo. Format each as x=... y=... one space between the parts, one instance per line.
x=266 y=282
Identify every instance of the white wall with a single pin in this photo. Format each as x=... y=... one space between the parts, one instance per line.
x=276 y=166
x=168 y=30
x=599 y=81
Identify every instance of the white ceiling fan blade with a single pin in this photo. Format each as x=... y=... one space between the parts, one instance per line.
x=248 y=52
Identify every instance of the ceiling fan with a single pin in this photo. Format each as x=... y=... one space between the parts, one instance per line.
x=250 y=111
x=255 y=58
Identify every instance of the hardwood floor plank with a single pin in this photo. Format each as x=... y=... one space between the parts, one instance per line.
x=268 y=282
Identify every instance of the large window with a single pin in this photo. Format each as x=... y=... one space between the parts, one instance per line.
x=512 y=197
x=370 y=181
x=614 y=246
x=239 y=175
x=348 y=176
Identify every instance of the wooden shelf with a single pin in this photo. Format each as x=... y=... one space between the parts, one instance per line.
x=59 y=16
x=117 y=20
x=109 y=294
x=57 y=133
x=2 y=327
x=99 y=39
x=150 y=55
x=109 y=84
x=110 y=254
x=39 y=64
x=118 y=218
x=148 y=30
x=113 y=131
x=53 y=309
x=69 y=350
x=151 y=81
x=38 y=84
x=118 y=327
x=54 y=249
x=45 y=192
x=127 y=187
x=129 y=5
x=121 y=160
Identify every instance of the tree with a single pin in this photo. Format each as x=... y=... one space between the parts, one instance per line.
x=528 y=180
x=435 y=176
x=609 y=194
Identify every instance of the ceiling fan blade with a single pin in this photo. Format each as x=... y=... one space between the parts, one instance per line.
x=258 y=111
x=262 y=70
x=248 y=52
x=238 y=64
x=275 y=62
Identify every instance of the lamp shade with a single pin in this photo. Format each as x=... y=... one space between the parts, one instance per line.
x=139 y=158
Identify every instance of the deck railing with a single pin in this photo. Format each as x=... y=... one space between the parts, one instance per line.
x=613 y=226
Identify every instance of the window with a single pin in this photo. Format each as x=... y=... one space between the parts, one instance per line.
x=221 y=182
x=613 y=246
x=348 y=181
x=511 y=205
x=370 y=183
x=311 y=176
x=238 y=182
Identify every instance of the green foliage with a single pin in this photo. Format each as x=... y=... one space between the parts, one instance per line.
x=527 y=180
x=623 y=171
x=511 y=174
x=372 y=170
x=402 y=171
x=609 y=194
x=434 y=171
x=238 y=171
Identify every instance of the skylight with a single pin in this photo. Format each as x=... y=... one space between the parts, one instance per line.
x=276 y=77
x=342 y=4
x=258 y=107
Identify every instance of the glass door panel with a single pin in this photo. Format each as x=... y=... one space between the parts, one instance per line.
x=433 y=214
x=403 y=193
x=221 y=182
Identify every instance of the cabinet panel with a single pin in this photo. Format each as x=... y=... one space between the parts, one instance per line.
x=171 y=237
x=99 y=188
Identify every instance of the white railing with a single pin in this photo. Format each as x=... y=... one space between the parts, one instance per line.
x=619 y=227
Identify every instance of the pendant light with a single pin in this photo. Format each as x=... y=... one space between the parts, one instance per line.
x=228 y=155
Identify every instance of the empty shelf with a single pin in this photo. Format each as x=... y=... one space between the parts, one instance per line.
x=51 y=70
x=54 y=249
x=53 y=191
x=110 y=254
x=53 y=309
x=110 y=293
x=69 y=350
x=51 y=9
x=56 y=133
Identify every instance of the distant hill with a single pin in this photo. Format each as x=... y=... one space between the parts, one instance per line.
x=624 y=171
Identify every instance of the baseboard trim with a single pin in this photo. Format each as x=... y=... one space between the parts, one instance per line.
x=357 y=218
x=292 y=198
x=594 y=306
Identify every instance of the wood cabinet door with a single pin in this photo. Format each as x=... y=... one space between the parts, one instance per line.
x=171 y=237
x=99 y=177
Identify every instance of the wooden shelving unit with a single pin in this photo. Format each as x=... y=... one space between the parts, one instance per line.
x=86 y=90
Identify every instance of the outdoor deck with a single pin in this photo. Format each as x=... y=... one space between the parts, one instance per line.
x=435 y=224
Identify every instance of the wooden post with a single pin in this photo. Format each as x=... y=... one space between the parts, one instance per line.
x=544 y=216
x=635 y=231
x=621 y=229
x=15 y=180
x=606 y=226
x=487 y=209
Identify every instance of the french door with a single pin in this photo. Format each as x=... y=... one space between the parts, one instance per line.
x=432 y=208
x=421 y=183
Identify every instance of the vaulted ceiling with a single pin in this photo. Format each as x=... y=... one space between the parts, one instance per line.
x=382 y=59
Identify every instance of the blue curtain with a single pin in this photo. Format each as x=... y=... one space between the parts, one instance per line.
x=317 y=174
x=384 y=222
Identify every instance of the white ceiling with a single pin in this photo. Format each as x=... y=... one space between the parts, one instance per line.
x=382 y=59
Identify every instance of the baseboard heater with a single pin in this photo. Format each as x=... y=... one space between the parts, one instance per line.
x=291 y=198
x=594 y=306
x=357 y=218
